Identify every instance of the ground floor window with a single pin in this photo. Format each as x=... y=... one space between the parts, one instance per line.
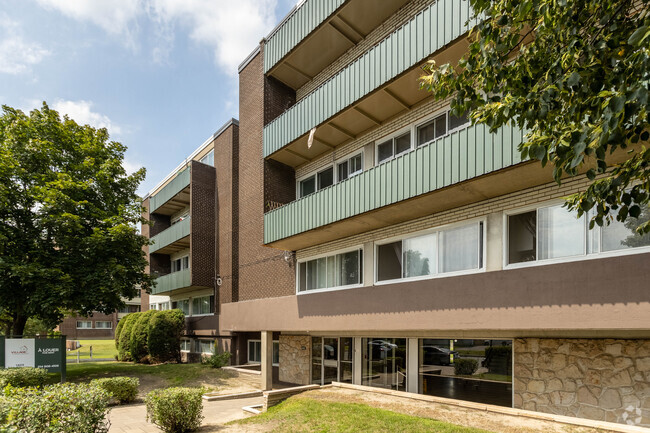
x=84 y=324
x=204 y=346
x=183 y=305
x=384 y=363
x=276 y=353
x=185 y=345
x=103 y=325
x=254 y=351
x=465 y=369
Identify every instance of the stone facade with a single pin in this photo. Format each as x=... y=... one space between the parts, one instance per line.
x=295 y=354
x=601 y=379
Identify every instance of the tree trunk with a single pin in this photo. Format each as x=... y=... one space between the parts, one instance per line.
x=18 y=326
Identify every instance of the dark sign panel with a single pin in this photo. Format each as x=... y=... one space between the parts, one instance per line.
x=49 y=355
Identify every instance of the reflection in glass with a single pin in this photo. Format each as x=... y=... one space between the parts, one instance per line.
x=333 y=271
x=402 y=143
x=522 y=237
x=384 y=363
x=346 y=356
x=460 y=248
x=473 y=370
x=316 y=360
x=326 y=178
x=622 y=235
x=385 y=150
x=420 y=256
x=389 y=261
x=307 y=186
x=560 y=233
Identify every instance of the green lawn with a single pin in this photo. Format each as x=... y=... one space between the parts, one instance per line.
x=102 y=349
x=307 y=415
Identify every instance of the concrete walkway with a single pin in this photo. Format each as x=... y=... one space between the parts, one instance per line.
x=133 y=418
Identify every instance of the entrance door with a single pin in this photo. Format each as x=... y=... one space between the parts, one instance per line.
x=331 y=360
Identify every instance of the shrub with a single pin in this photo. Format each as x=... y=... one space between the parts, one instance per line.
x=123 y=351
x=175 y=410
x=122 y=389
x=118 y=331
x=165 y=330
x=62 y=408
x=139 y=336
x=23 y=377
x=217 y=360
x=465 y=367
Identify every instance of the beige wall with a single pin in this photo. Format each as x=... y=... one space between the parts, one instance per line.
x=601 y=379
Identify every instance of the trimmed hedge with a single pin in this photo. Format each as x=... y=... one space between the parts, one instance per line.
x=123 y=346
x=465 y=367
x=23 y=377
x=122 y=389
x=165 y=330
x=175 y=410
x=62 y=408
x=139 y=336
x=118 y=331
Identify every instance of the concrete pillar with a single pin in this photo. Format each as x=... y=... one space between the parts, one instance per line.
x=267 y=361
x=412 y=367
x=356 y=362
x=494 y=242
x=368 y=264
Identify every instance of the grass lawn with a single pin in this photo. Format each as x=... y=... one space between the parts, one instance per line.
x=102 y=349
x=304 y=414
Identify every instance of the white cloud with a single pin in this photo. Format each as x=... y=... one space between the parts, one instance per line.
x=81 y=112
x=17 y=56
x=229 y=28
x=131 y=166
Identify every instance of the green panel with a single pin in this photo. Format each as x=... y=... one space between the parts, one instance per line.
x=173 y=281
x=401 y=50
x=49 y=354
x=178 y=184
x=170 y=235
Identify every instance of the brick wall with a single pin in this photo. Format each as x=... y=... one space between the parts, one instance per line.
x=69 y=327
x=202 y=220
x=279 y=184
x=159 y=263
x=160 y=223
x=263 y=272
x=278 y=98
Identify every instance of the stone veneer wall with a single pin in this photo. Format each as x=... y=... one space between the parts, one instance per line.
x=294 y=359
x=601 y=379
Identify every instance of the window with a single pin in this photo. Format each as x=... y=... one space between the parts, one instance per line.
x=163 y=306
x=180 y=264
x=202 y=305
x=276 y=353
x=326 y=178
x=448 y=250
x=307 y=186
x=84 y=324
x=209 y=158
x=439 y=126
x=185 y=345
x=393 y=147
x=254 y=351
x=204 y=346
x=103 y=325
x=152 y=306
x=349 y=167
x=316 y=182
x=552 y=232
x=339 y=270
x=183 y=305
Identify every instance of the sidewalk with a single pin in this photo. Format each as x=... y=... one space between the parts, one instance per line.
x=132 y=418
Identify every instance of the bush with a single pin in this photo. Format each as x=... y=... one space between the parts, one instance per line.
x=165 y=330
x=139 y=336
x=23 y=377
x=118 y=331
x=123 y=350
x=122 y=389
x=217 y=360
x=175 y=410
x=62 y=408
x=465 y=367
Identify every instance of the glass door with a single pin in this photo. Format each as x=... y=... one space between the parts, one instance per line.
x=331 y=360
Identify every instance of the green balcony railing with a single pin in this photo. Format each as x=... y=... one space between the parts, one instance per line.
x=178 y=184
x=173 y=281
x=427 y=32
x=307 y=17
x=462 y=155
x=170 y=235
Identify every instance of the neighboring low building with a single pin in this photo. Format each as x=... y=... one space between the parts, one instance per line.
x=99 y=326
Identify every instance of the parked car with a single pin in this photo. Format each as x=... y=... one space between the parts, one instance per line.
x=434 y=355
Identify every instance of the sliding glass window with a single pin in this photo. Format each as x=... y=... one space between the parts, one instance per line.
x=454 y=249
x=337 y=270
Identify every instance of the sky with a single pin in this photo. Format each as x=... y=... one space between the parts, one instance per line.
x=160 y=75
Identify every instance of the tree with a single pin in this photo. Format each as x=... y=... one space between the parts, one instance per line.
x=575 y=75
x=68 y=216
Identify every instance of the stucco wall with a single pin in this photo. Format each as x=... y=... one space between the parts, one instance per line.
x=294 y=359
x=601 y=379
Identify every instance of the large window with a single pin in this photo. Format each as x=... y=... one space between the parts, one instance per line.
x=447 y=250
x=180 y=264
x=185 y=345
x=338 y=270
x=394 y=146
x=103 y=325
x=204 y=346
x=202 y=305
x=254 y=351
x=84 y=324
x=384 y=363
x=183 y=305
x=552 y=232
x=316 y=182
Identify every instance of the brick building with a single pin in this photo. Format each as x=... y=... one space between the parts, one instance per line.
x=99 y=326
x=362 y=233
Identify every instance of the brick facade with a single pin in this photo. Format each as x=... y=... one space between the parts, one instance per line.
x=69 y=327
x=202 y=218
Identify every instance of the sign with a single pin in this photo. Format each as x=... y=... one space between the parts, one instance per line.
x=19 y=352
x=2 y=352
x=48 y=354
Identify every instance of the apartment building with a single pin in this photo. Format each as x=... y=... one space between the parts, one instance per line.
x=99 y=326
x=379 y=240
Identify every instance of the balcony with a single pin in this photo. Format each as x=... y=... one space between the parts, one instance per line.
x=318 y=32
x=407 y=187
x=377 y=86
x=172 y=197
x=171 y=282
x=172 y=239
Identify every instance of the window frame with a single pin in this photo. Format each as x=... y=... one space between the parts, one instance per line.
x=392 y=136
x=586 y=255
x=207 y=155
x=332 y=253
x=315 y=174
x=189 y=305
x=103 y=321
x=181 y=261
x=437 y=230
x=248 y=351
x=198 y=341
x=84 y=327
x=203 y=314
x=347 y=159
x=189 y=341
